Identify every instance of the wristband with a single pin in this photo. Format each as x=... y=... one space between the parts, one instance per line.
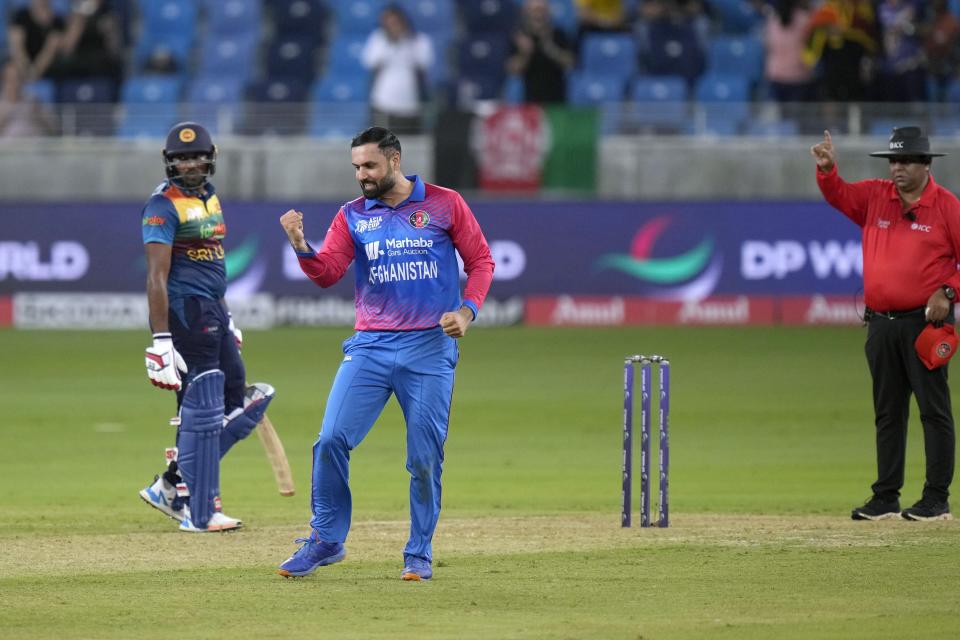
x=162 y=336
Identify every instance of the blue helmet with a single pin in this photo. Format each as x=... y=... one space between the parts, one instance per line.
x=189 y=138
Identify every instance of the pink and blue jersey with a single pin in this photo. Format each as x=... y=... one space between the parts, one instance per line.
x=195 y=229
x=406 y=265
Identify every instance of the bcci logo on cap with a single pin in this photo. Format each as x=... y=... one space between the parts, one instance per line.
x=943 y=350
x=419 y=219
x=188 y=135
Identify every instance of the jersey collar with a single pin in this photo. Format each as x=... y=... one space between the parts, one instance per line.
x=418 y=194
x=926 y=198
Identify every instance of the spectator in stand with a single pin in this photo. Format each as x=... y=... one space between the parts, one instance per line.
x=398 y=58
x=600 y=15
x=785 y=30
x=541 y=55
x=942 y=47
x=34 y=35
x=91 y=43
x=903 y=72
x=843 y=42
x=20 y=115
x=669 y=41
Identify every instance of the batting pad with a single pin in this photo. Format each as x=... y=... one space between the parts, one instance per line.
x=201 y=418
x=241 y=423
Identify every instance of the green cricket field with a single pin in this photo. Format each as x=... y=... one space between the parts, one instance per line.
x=771 y=447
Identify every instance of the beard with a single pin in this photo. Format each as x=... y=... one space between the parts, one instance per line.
x=374 y=190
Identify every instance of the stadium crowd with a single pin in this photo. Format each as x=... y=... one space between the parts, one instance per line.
x=331 y=67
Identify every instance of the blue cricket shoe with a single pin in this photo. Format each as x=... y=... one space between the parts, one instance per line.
x=416 y=568
x=314 y=553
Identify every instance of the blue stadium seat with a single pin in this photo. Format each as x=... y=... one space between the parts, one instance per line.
x=430 y=16
x=168 y=16
x=483 y=86
x=513 y=90
x=344 y=53
x=276 y=107
x=722 y=88
x=291 y=57
x=564 y=14
x=584 y=89
x=483 y=54
x=44 y=91
x=660 y=102
x=341 y=120
x=228 y=55
x=724 y=101
x=608 y=54
x=724 y=119
x=279 y=90
x=216 y=89
x=177 y=45
x=360 y=17
x=149 y=106
x=152 y=89
x=88 y=108
x=87 y=90
x=486 y=16
x=742 y=55
x=735 y=16
x=672 y=49
x=341 y=88
x=232 y=18
x=298 y=17
x=147 y=121
x=216 y=118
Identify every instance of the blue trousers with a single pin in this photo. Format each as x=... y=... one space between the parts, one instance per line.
x=418 y=367
x=200 y=334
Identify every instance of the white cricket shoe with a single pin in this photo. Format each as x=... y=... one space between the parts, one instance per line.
x=163 y=497
x=218 y=522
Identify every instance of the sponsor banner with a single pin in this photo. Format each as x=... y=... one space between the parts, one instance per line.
x=836 y=310
x=261 y=311
x=79 y=311
x=559 y=311
x=672 y=252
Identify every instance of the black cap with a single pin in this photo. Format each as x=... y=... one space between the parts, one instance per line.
x=188 y=137
x=907 y=141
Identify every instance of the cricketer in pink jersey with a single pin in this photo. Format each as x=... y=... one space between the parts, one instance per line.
x=402 y=236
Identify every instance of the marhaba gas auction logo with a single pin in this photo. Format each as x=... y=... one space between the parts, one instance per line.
x=692 y=275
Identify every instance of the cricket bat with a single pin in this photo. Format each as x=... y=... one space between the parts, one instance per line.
x=276 y=455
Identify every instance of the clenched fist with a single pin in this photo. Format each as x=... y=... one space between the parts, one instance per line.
x=455 y=323
x=292 y=223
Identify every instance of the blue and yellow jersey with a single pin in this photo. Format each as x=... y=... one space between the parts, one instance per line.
x=194 y=227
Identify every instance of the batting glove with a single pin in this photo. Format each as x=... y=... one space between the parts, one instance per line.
x=237 y=334
x=164 y=364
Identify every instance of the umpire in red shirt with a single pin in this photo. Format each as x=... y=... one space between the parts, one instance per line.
x=911 y=247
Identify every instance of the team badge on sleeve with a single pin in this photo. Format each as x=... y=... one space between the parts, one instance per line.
x=419 y=219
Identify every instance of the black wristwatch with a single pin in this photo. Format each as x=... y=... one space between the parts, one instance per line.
x=950 y=292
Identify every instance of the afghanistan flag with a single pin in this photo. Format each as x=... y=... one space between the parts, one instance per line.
x=521 y=148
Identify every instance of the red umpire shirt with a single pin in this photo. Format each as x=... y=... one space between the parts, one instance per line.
x=906 y=254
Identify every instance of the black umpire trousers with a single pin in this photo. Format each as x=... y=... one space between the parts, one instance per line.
x=898 y=374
